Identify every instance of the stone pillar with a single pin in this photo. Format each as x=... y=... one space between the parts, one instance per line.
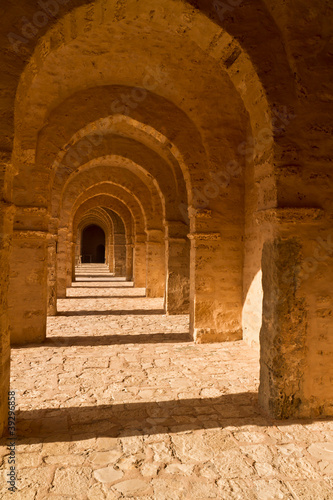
x=296 y=355
x=7 y=212
x=129 y=261
x=177 y=293
x=111 y=254
x=106 y=249
x=27 y=303
x=155 y=275
x=139 y=261
x=120 y=254
x=52 y=268
x=62 y=258
x=52 y=276
x=77 y=249
x=71 y=274
x=216 y=281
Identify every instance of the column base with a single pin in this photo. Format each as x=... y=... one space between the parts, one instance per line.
x=27 y=336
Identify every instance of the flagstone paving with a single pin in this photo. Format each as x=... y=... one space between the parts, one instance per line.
x=119 y=403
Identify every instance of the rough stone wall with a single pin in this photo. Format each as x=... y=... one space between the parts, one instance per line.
x=316 y=275
x=7 y=211
x=284 y=330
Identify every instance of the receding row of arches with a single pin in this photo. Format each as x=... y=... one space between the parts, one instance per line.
x=161 y=139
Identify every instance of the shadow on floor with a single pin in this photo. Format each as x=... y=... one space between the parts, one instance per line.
x=134 y=419
x=130 y=419
x=106 y=297
x=95 y=279
x=129 y=312
x=90 y=340
x=104 y=286
x=100 y=277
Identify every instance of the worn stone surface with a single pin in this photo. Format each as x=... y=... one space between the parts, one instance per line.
x=120 y=403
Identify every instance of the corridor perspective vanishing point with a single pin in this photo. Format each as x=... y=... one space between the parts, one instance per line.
x=166 y=249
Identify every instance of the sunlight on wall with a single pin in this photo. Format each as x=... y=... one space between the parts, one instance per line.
x=252 y=312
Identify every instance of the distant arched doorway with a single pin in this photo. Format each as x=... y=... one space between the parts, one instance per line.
x=100 y=254
x=93 y=245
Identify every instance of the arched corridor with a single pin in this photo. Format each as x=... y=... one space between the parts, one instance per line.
x=166 y=193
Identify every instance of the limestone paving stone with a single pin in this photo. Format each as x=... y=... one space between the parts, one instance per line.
x=137 y=417
x=108 y=475
x=131 y=487
x=105 y=457
x=309 y=490
x=71 y=481
x=322 y=451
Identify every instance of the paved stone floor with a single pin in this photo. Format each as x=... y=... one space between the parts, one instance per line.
x=119 y=403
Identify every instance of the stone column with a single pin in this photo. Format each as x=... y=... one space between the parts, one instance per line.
x=71 y=274
x=120 y=254
x=155 y=276
x=52 y=276
x=216 y=281
x=139 y=261
x=62 y=257
x=296 y=360
x=27 y=303
x=52 y=267
x=77 y=249
x=7 y=212
x=129 y=261
x=106 y=249
x=111 y=254
x=177 y=293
